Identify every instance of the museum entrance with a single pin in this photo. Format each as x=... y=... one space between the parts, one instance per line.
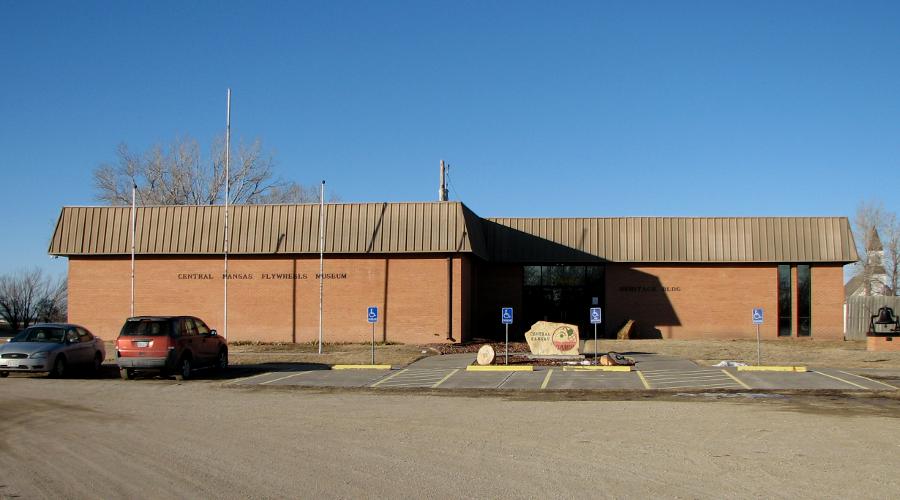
x=564 y=294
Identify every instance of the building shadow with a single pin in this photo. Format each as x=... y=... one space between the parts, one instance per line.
x=625 y=293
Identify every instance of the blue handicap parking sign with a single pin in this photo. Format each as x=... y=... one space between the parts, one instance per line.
x=506 y=315
x=757 y=316
x=372 y=313
x=595 y=315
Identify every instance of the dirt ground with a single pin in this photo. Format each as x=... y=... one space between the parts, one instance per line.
x=203 y=439
x=333 y=354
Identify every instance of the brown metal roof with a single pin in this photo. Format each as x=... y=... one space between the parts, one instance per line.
x=671 y=239
x=350 y=228
x=450 y=227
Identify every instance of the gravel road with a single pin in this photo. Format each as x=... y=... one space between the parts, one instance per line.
x=201 y=439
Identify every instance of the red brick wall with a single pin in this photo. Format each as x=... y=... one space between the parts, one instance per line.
x=827 y=302
x=715 y=302
x=265 y=303
x=411 y=293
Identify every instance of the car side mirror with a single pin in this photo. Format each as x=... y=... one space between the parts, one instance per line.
x=213 y=333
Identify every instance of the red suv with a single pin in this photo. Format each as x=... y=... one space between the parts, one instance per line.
x=173 y=345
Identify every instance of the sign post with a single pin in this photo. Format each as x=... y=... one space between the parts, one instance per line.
x=757 y=320
x=372 y=315
x=506 y=317
x=595 y=320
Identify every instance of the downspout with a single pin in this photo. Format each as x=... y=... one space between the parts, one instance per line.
x=450 y=299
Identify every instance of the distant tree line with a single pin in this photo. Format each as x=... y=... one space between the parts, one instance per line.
x=28 y=297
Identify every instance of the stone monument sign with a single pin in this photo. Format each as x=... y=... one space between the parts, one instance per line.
x=548 y=339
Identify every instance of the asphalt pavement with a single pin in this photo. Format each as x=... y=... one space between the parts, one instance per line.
x=651 y=372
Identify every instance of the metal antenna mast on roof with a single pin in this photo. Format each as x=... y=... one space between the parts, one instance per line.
x=442 y=191
x=227 y=165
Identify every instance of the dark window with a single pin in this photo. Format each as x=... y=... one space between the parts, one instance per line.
x=187 y=327
x=561 y=293
x=145 y=327
x=84 y=335
x=202 y=329
x=804 y=296
x=784 y=301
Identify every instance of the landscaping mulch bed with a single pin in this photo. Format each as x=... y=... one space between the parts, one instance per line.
x=499 y=347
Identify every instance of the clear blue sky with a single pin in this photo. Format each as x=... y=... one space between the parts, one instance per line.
x=542 y=108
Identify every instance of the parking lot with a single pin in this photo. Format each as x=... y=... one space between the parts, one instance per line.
x=650 y=373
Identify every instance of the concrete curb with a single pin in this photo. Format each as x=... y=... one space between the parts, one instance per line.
x=500 y=368
x=771 y=368
x=361 y=367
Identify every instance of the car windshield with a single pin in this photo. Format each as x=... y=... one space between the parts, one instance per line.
x=40 y=334
x=146 y=327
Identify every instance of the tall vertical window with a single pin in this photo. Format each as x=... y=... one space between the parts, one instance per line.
x=804 y=307
x=784 y=301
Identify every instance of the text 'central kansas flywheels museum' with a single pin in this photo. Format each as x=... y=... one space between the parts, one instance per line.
x=440 y=273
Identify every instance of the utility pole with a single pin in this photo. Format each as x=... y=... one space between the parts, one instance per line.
x=442 y=192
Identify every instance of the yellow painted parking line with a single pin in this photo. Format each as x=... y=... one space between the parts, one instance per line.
x=745 y=386
x=385 y=379
x=844 y=381
x=771 y=368
x=871 y=380
x=596 y=368
x=361 y=367
x=248 y=378
x=267 y=382
x=643 y=380
x=441 y=381
x=500 y=368
x=692 y=376
x=547 y=379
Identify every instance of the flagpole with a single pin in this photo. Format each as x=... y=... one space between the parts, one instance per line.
x=321 y=260
x=133 y=210
x=227 y=180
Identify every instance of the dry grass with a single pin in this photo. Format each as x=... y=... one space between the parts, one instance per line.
x=333 y=354
x=812 y=353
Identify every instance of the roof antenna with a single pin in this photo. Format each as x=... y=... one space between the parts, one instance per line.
x=442 y=191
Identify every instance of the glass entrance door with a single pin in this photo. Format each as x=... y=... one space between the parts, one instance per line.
x=562 y=294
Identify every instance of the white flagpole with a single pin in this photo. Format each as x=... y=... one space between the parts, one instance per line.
x=321 y=259
x=227 y=180
x=133 y=210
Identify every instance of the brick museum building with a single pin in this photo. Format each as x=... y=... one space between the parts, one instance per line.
x=440 y=273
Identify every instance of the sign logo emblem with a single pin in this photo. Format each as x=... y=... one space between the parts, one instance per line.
x=564 y=338
x=372 y=314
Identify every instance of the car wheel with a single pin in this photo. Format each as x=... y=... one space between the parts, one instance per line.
x=222 y=360
x=98 y=363
x=4 y=374
x=126 y=373
x=184 y=369
x=59 y=367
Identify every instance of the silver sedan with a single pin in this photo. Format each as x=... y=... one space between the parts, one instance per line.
x=52 y=348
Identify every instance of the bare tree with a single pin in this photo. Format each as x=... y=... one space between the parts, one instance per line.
x=878 y=245
x=891 y=243
x=29 y=296
x=178 y=174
